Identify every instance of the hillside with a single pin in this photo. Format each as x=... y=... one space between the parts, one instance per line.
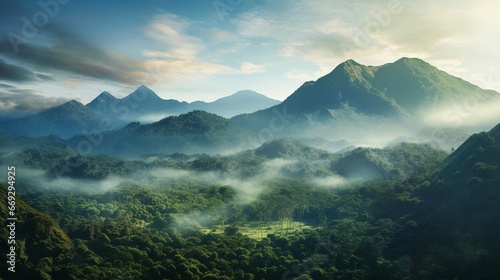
x=289 y=148
x=471 y=175
x=397 y=161
x=461 y=206
x=39 y=241
x=194 y=132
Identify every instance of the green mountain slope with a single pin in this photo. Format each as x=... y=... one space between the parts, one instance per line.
x=289 y=148
x=194 y=132
x=461 y=208
x=397 y=161
x=39 y=241
x=363 y=96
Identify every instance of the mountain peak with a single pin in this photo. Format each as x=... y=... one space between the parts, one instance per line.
x=72 y=103
x=101 y=101
x=143 y=93
x=106 y=96
x=143 y=87
x=415 y=63
x=351 y=62
x=246 y=92
x=410 y=59
x=103 y=97
x=353 y=70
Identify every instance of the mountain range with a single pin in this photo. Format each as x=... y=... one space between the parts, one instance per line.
x=353 y=102
x=107 y=112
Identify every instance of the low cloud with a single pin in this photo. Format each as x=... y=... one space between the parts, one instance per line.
x=19 y=101
x=330 y=182
x=470 y=112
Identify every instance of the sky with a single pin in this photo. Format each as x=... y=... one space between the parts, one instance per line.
x=52 y=51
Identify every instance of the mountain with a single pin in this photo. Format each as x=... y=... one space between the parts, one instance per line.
x=103 y=104
x=356 y=103
x=472 y=170
x=404 y=86
x=106 y=112
x=459 y=210
x=146 y=106
x=354 y=98
x=244 y=101
x=143 y=101
x=66 y=120
x=194 y=132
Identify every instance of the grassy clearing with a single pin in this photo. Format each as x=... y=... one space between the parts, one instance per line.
x=260 y=230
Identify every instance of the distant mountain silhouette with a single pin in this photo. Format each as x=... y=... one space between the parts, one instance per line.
x=106 y=112
x=245 y=101
x=66 y=120
x=144 y=105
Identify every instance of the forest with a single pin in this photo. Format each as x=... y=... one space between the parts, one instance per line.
x=282 y=211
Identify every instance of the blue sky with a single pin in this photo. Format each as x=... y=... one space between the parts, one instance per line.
x=207 y=49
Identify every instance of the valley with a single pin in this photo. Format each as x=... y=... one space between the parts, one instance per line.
x=342 y=180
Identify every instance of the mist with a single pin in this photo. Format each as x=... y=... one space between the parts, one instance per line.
x=470 y=114
x=37 y=180
x=149 y=118
x=330 y=182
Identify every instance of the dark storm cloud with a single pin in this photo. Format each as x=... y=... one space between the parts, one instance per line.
x=72 y=54
x=15 y=73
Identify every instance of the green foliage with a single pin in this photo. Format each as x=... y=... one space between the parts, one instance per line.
x=414 y=221
x=194 y=132
x=397 y=161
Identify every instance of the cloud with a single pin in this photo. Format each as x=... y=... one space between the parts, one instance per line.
x=6 y=86
x=167 y=71
x=301 y=75
x=182 y=55
x=170 y=30
x=330 y=182
x=252 y=24
x=474 y=111
x=19 y=100
x=250 y=68
x=375 y=32
x=221 y=35
x=69 y=53
x=14 y=73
